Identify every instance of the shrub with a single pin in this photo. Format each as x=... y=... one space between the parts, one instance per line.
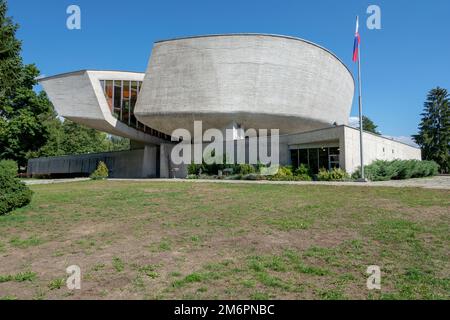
x=303 y=177
x=303 y=170
x=8 y=167
x=234 y=177
x=13 y=193
x=398 y=169
x=194 y=168
x=283 y=172
x=101 y=172
x=290 y=178
x=286 y=173
x=244 y=169
x=253 y=176
x=334 y=175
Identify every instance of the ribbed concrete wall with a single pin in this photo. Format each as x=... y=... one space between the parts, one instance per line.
x=143 y=163
x=259 y=81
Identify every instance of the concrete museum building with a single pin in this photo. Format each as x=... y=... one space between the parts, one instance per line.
x=244 y=81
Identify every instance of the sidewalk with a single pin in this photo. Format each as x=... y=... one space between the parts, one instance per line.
x=438 y=182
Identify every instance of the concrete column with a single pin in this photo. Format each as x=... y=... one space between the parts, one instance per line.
x=149 y=162
x=164 y=162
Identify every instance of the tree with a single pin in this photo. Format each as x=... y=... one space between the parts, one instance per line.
x=10 y=60
x=67 y=138
x=369 y=125
x=434 y=128
x=29 y=126
x=23 y=112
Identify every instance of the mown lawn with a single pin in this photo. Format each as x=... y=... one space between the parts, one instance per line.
x=187 y=240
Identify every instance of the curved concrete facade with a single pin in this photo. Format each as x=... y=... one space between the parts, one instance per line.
x=78 y=96
x=257 y=81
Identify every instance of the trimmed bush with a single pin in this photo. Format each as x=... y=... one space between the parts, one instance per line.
x=13 y=193
x=398 y=170
x=101 y=172
x=334 y=175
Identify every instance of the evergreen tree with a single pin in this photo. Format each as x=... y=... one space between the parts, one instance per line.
x=434 y=129
x=369 y=125
x=10 y=60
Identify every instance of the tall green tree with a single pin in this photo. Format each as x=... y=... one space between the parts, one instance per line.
x=369 y=125
x=434 y=128
x=68 y=138
x=23 y=112
x=29 y=126
x=10 y=61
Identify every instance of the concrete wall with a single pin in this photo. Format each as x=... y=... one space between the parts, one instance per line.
x=155 y=161
x=375 y=148
x=141 y=163
x=333 y=136
x=256 y=80
x=78 y=96
x=347 y=139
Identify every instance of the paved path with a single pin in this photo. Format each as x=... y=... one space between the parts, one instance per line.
x=439 y=182
x=50 y=181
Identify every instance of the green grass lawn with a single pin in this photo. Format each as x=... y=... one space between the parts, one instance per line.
x=187 y=240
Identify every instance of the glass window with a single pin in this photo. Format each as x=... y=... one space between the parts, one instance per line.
x=117 y=98
x=294 y=158
x=303 y=157
x=121 y=96
x=133 y=99
x=109 y=93
x=126 y=102
x=323 y=158
x=313 y=158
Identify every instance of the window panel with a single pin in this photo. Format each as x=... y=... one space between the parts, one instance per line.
x=323 y=158
x=121 y=96
x=313 y=158
x=294 y=158
x=126 y=102
x=303 y=157
x=117 y=98
x=109 y=93
x=133 y=99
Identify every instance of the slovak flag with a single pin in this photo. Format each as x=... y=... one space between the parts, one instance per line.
x=357 y=41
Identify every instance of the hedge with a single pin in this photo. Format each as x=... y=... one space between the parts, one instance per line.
x=381 y=170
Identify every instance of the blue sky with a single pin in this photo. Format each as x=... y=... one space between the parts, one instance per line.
x=400 y=62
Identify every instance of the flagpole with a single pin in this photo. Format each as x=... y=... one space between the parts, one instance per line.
x=363 y=178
